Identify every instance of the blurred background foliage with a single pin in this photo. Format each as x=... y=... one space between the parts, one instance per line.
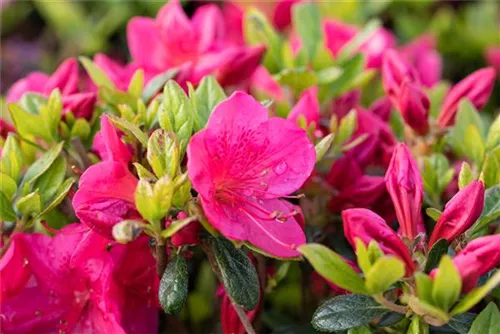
x=38 y=35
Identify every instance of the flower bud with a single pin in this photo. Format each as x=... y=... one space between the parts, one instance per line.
x=476 y=87
x=394 y=71
x=476 y=259
x=493 y=58
x=414 y=106
x=80 y=104
x=459 y=213
x=404 y=184
x=367 y=226
x=240 y=66
x=65 y=78
x=187 y=235
x=127 y=231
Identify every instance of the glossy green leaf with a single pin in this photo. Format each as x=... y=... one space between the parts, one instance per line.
x=447 y=284
x=173 y=289
x=48 y=183
x=437 y=251
x=238 y=273
x=385 y=272
x=332 y=267
x=42 y=164
x=29 y=205
x=130 y=129
x=462 y=322
x=345 y=312
x=59 y=196
x=208 y=94
x=487 y=322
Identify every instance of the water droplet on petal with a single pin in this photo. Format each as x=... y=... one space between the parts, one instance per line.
x=280 y=168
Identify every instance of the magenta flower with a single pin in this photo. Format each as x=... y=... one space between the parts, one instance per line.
x=422 y=53
x=262 y=82
x=241 y=164
x=382 y=108
x=307 y=106
x=406 y=188
x=476 y=259
x=367 y=226
x=197 y=46
x=66 y=79
x=338 y=34
x=56 y=295
x=459 y=213
x=118 y=73
x=106 y=190
x=493 y=58
x=476 y=87
x=402 y=85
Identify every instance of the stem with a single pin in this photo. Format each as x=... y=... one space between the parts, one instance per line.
x=82 y=153
x=390 y=305
x=161 y=256
x=207 y=248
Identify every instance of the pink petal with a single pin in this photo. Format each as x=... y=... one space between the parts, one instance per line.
x=13 y=270
x=145 y=44
x=209 y=24
x=65 y=78
x=308 y=106
x=33 y=83
x=263 y=82
x=116 y=149
x=80 y=104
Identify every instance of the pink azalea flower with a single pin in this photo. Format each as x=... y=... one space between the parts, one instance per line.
x=476 y=87
x=118 y=73
x=307 y=107
x=477 y=258
x=106 y=190
x=459 y=213
x=66 y=79
x=406 y=188
x=422 y=53
x=338 y=34
x=197 y=46
x=382 y=108
x=55 y=293
x=263 y=83
x=367 y=226
x=241 y=164
x=493 y=58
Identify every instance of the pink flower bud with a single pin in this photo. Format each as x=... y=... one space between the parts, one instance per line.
x=80 y=104
x=493 y=58
x=414 y=105
x=367 y=226
x=65 y=78
x=421 y=52
x=476 y=87
x=404 y=184
x=307 y=106
x=476 y=259
x=382 y=108
x=394 y=71
x=459 y=213
x=240 y=65
x=188 y=235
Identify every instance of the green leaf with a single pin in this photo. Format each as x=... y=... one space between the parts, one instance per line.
x=348 y=49
x=437 y=251
x=59 y=196
x=447 y=284
x=418 y=326
x=32 y=102
x=491 y=168
x=156 y=83
x=467 y=115
x=491 y=209
x=153 y=202
x=81 y=128
x=345 y=312
x=307 y=23
x=48 y=183
x=465 y=177
x=397 y=124
x=323 y=146
x=6 y=211
x=462 y=322
x=12 y=158
x=143 y=172
x=208 y=95
x=8 y=186
x=42 y=164
x=352 y=69
x=177 y=113
x=238 y=273
x=421 y=307
x=493 y=139
x=363 y=258
x=177 y=225
x=487 y=322
x=424 y=287
x=136 y=83
x=476 y=295
x=182 y=193
x=29 y=205
x=473 y=144
x=360 y=330
x=130 y=129
x=385 y=272
x=298 y=79
x=436 y=96
x=29 y=125
x=98 y=77
x=346 y=129
x=332 y=267
x=173 y=289
x=433 y=213
x=164 y=153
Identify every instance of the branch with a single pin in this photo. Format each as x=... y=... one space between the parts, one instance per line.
x=82 y=153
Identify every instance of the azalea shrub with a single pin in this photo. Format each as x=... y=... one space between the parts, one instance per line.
x=275 y=167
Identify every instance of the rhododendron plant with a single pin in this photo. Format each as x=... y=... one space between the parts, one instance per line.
x=250 y=167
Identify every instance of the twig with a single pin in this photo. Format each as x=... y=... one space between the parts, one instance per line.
x=82 y=153
x=390 y=305
x=161 y=257
x=207 y=248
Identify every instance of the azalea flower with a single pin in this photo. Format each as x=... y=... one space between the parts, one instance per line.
x=422 y=53
x=106 y=190
x=66 y=79
x=241 y=164
x=197 y=46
